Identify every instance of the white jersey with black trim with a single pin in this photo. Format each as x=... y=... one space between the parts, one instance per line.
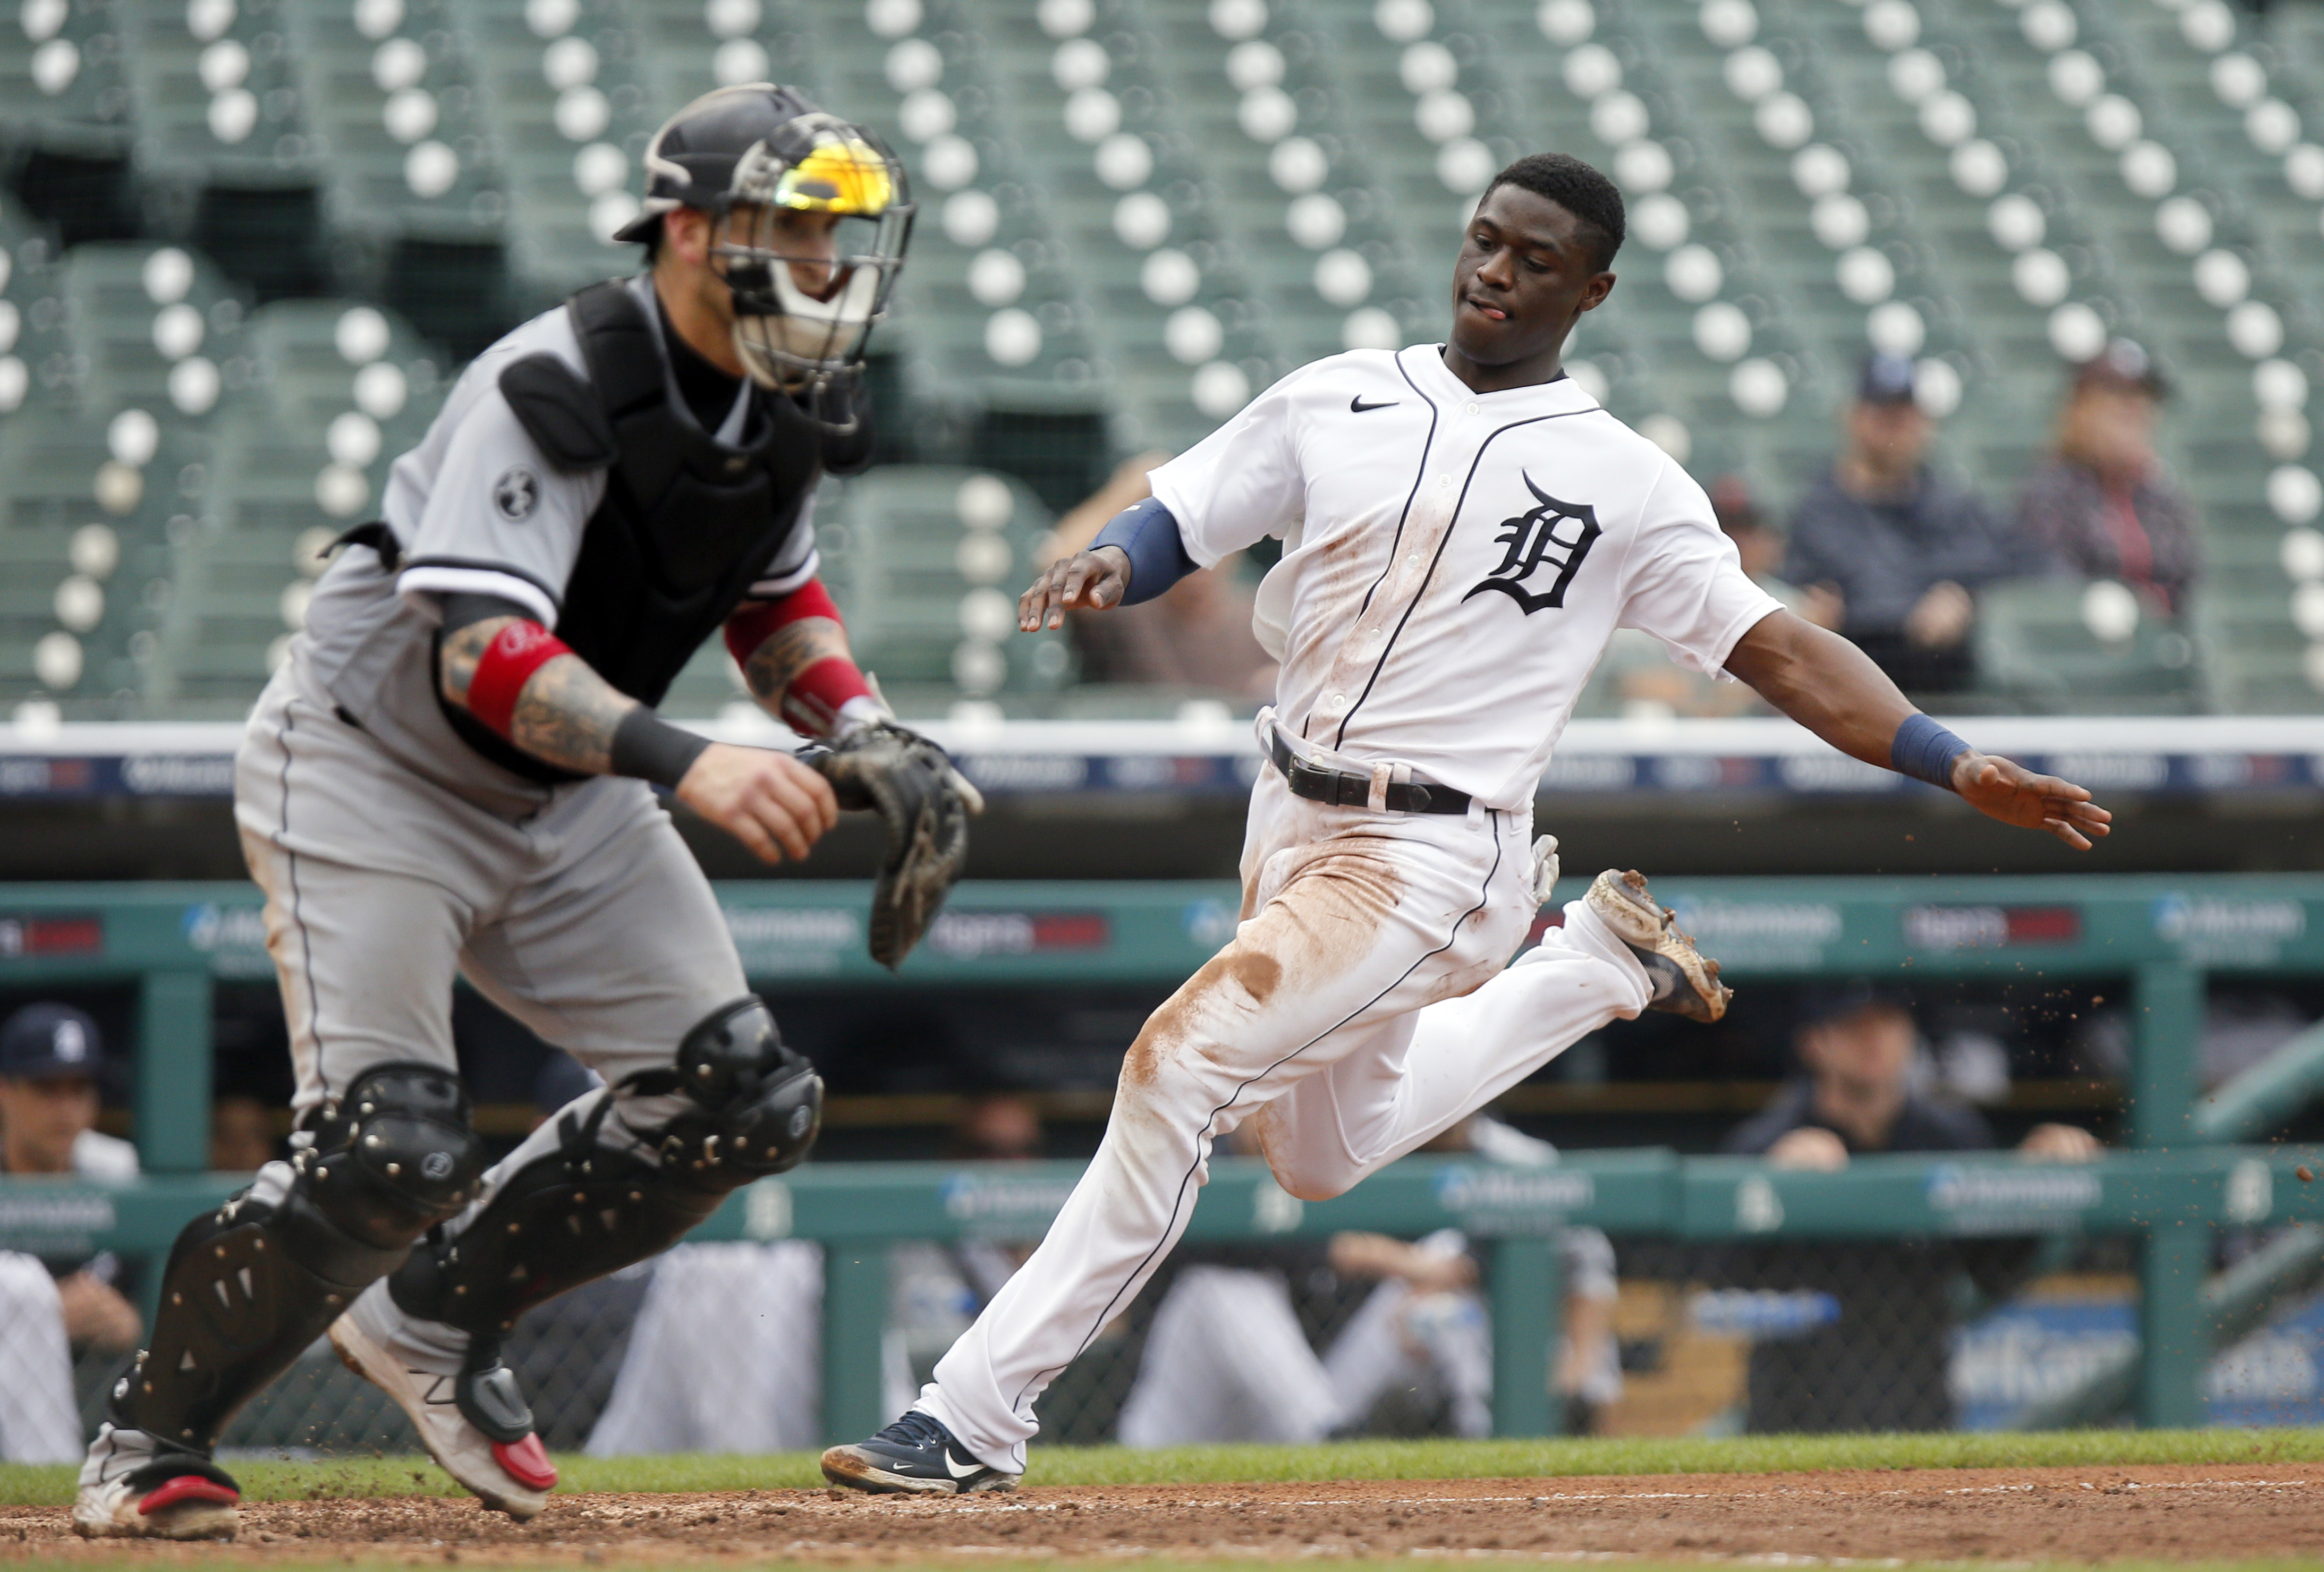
x=1454 y=562
x=476 y=508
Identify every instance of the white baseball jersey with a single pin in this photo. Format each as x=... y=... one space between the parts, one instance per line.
x=1454 y=562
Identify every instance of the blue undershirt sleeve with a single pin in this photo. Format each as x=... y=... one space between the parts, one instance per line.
x=1148 y=534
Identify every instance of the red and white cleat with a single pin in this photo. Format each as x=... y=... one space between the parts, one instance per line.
x=130 y=1488
x=462 y=1400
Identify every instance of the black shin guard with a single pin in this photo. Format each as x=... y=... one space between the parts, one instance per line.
x=249 y=1286
x=567 y=1217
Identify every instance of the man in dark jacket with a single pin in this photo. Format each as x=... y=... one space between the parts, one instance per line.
x=1891 y=552
x=1874 y=1356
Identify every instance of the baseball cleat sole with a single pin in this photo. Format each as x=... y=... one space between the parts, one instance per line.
x=855 y=1469
x=186 y=1506
x=1686 y=982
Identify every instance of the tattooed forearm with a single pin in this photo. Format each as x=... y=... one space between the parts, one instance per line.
x=462 y=648
x=566 y=713
x=789 y=650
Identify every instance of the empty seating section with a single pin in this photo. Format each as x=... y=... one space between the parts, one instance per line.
x=1150 y=209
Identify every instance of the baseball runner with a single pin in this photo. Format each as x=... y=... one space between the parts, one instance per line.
x=1464 y=529
x=451 y=774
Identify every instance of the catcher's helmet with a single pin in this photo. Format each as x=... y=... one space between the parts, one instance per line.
x=748 y=154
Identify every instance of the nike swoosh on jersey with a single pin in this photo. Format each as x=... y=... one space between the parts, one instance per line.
x=1356 y=406
x=955 y=1470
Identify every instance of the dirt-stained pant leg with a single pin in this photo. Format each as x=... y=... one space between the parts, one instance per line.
x=1359 y=918
x=1324 y=1134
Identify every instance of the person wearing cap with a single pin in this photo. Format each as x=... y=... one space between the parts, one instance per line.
x=2101 y=504
x=50 y=1059
x=451 y=773
x=1892 y=551
x=1875 y=1357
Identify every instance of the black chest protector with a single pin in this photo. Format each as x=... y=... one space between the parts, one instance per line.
x=688 y=523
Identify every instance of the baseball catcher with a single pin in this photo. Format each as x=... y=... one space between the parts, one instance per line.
x=451 y=776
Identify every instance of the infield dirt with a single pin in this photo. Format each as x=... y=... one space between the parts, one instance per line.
x=2141 y=1512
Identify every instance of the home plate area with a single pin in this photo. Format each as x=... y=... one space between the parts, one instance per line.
x=2075 y=1514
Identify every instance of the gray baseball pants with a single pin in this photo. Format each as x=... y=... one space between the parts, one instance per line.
x=587 y=919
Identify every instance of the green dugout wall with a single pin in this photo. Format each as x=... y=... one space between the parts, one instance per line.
x=2161 y=936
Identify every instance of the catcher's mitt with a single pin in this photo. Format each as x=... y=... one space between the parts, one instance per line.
x=911 y=783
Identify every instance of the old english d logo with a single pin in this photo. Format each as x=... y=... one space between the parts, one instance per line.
x=1554 y=535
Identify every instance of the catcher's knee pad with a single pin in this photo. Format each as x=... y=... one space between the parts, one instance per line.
x=610 y=1194
x=250 y=1285
x=755 y=1105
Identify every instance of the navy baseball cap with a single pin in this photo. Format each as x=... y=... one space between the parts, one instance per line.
x=50 y=1042
x=1838 y=1000
x=1885 y=379
x=2124 y=364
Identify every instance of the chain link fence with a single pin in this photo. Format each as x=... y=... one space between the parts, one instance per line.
x=716 y=1347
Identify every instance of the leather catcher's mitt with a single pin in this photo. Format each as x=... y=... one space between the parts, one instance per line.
x=925 y=802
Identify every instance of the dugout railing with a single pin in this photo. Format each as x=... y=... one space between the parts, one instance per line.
x=2161 y=936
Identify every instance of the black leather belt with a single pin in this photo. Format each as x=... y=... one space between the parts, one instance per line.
x=1348 y=789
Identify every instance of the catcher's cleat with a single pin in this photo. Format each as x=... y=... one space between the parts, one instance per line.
x=918 y=1455
x=462 y=1400
x=132 y=1488
x=1686 y=982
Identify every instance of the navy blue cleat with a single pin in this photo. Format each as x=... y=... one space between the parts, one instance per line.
x=917 y=1455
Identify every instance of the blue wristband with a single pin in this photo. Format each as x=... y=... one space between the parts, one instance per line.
x=1925 y=750
x=1148 y=534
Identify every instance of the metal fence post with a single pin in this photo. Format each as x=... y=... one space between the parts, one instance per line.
x=1528 y=1316
x=854 y=1319
x=2167 y=999
x=173 y=1072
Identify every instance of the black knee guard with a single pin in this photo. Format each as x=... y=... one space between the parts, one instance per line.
x=751 y=1106
x=249 y=1286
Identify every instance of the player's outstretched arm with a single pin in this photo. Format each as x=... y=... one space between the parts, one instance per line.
x=1137 y=555
x=518 y=679
x=1087 y=581
x=1832 y=688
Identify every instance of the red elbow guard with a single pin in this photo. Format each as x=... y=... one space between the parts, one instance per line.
x=812 y=701
x=754 y=623
x=515 y=653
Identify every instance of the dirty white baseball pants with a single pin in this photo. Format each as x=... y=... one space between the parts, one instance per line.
x=1354 y=921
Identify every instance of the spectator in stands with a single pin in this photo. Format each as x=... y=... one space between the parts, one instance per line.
x=2100 y=504
x=50 y=1057
x=1889 y=551
x=1197 y=637
x=1650 y=683
x=1876 y=1360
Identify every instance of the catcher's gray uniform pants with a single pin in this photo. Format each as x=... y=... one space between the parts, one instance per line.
x=588 y=919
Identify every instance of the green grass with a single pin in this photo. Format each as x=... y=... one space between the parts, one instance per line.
x=30 y=1485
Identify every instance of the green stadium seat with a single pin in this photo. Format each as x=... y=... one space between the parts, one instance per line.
x=2035 y=645
x=928 y=564
x=87 y=503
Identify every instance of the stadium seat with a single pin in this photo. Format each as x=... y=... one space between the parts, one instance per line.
x=2039 y=644
x=927 y=563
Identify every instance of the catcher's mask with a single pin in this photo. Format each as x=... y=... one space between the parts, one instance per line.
x=756 y=158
